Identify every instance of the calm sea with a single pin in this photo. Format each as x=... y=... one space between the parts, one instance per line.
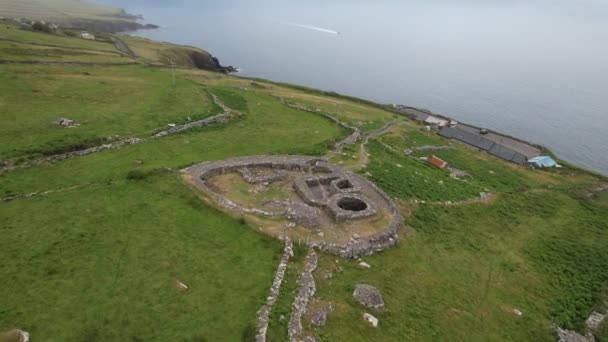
x=535 y=69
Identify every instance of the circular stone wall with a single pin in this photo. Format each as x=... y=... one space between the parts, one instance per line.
x=344 y=197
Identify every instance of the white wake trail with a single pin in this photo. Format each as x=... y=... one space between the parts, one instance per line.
x=314 y=28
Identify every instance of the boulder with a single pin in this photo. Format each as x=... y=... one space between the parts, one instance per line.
x=15 y=335
x=364 y=265
x=573 y=336
x=64 y=122
x=368 y=296
x=371 y=320
x=595 y=320
x=318 y=316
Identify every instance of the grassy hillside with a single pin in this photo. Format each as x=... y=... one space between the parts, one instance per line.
x=59 y=10
x=95 y=255
x=22 y=44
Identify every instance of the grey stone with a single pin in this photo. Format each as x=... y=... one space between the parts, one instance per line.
x=306 y=289
x=318 y=316
x=368 y=296
x=595 y=320
x=371 y=320
x=573 y=336
x=264 y=312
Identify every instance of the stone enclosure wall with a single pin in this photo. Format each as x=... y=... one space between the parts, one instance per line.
x=353 y=249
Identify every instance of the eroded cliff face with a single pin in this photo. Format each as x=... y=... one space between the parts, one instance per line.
x=208 y=62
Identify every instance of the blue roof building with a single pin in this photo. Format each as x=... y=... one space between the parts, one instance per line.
x=542 y=161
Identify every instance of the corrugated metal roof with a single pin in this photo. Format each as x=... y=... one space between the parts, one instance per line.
x=483 y=144
x=469 y=138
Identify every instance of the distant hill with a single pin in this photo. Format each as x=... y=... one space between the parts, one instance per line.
x=73 y=14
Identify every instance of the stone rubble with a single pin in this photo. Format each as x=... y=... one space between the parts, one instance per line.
x=368 y=296
x=306 y=289
x=595 y=320
x=573 y=336
x=318 y=316
x=264 y=312
x=355 y=248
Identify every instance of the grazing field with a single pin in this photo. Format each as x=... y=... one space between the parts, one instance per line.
x=94 y=247
x=59 y=10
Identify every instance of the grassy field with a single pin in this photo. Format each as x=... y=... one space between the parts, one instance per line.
x=98 y=258
x=58 y=10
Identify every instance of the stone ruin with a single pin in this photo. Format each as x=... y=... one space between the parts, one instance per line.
x=325 y=196
x=312 y=195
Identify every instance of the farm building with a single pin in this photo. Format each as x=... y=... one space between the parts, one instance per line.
x=87 y=36
x=500 y=146
x=435 y=121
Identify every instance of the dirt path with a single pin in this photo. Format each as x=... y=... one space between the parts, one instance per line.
x=123 y=47
x=363 y=155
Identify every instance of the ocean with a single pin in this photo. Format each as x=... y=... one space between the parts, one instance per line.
x=537 y=70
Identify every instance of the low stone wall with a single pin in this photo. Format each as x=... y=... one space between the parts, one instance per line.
x=373 y=244
x=91 y=150
x=264 y=312
x=351 y=139
x=333 y=206
x=251 y=178
x=195 y=124
x=306 y=289
x=370 y=245
x=130 y=141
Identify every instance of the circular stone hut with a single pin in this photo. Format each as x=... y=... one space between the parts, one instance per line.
x=305 y=198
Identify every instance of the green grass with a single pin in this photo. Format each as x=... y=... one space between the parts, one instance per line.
x=277 y=327
x=407 y=178
x=106 y=102
x=58 y=10
x=29 y=37
x=98 y=260
x=467 y=267
x=132 y=246
x=105 y=265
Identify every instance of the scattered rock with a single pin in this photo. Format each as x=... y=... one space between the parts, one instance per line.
x=181 y=287
x=171 y=125
x=15 y=335
x=368 y=296
x=320 y=234
x=138 y=162
x=364 y=264
x=318 y=316
x=517 y=312
x=356 y=236
x=371 y=319
x=65 y=122
x=595 y=320
x=573 y=336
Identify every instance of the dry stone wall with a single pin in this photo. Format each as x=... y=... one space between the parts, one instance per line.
x=306 y=289
x=264 y=312
x=353 y=249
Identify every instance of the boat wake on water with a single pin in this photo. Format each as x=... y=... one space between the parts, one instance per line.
x=314 y=28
